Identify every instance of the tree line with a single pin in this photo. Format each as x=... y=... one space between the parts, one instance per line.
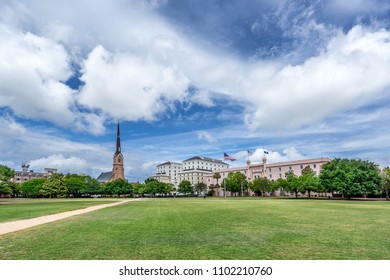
x=73 y=185
x=345 y=177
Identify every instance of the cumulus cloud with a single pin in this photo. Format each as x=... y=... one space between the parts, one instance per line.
x=62 y=163
x=350 y=73
x=32 y=72
x=130 y=87
x=288 y=154
x=148 y=73
x=10 y=129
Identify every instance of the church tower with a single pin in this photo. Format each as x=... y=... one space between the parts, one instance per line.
x=118 y=172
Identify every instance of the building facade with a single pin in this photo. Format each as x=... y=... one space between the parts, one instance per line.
x=27 y=175
x=168 y=172
x=196 y=169
x=272 y=171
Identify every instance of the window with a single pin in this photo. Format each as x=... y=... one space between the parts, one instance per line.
x=280 y=175
x=301 y=166
x=280 y=169
x=314 y=165
x=270 y=176
x=270 y=169
x=289 y=167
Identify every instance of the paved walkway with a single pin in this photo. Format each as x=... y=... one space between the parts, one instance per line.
x=8 y=227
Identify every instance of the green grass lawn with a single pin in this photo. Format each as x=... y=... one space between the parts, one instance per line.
x=17 y=209
x=197 y=228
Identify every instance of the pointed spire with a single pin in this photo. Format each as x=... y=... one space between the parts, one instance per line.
x=118 y=140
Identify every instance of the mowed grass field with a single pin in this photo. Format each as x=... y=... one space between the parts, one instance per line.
x=17 y=209
x=212 y=228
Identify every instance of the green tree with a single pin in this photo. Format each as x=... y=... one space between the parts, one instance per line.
x=54 y=186
x=152 y=186
x=165 y=188
x=6 y=173
x=92 y=186
x=385 y=184
x=308 y=181
x=119 y=187
x=281 y=185
x=292 y=183
x=350 y=177
x=139 y=189
x=185 y=187
x=32 y=187
x=260 y=185
x=200 y=187
x=235 y=182
x=75 y=184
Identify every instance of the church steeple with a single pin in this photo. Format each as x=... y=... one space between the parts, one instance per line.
x=118 y=171
x=118 y=141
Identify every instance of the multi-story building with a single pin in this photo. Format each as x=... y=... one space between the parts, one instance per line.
x=195 y=169
x=27 y=175
x=272 y=171
x=168 y=172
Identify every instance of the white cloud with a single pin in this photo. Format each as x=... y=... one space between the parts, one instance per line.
x=130 y=87
x=145 y=70
x=288 y=154
x=9 y=129
x=32 y=71
x=350 y=73
x=202 y=97
x=63 y=164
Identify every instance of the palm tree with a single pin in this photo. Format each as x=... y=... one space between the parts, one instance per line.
x=217 y=176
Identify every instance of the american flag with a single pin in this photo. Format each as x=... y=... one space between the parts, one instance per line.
x=227 y=157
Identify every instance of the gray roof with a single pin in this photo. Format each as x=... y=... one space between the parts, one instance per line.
x=104 y=177
x=206 y=159
x=168 y=163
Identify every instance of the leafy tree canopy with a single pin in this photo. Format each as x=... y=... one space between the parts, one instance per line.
x=6 y=173
x=260 y=185
x=54 y=186
x=185 y=187
x=351 y=177
x=32 y=187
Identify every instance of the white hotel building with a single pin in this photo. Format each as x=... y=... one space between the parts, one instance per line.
x=196 y=168
x=193 y=170
x=168 y=172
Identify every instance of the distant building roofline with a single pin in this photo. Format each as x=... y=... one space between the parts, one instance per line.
x=169 y=162
x=206 y=159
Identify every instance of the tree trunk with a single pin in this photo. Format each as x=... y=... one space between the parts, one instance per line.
x=387 y=195
x=296 y=194
x=308 y=193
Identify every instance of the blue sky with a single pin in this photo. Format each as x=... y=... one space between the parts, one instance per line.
x=301 y=79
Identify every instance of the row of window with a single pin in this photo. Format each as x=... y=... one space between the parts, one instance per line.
x=290 y=168
x=206 y=163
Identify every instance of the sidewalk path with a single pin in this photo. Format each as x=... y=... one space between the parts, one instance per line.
x=8 y=227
